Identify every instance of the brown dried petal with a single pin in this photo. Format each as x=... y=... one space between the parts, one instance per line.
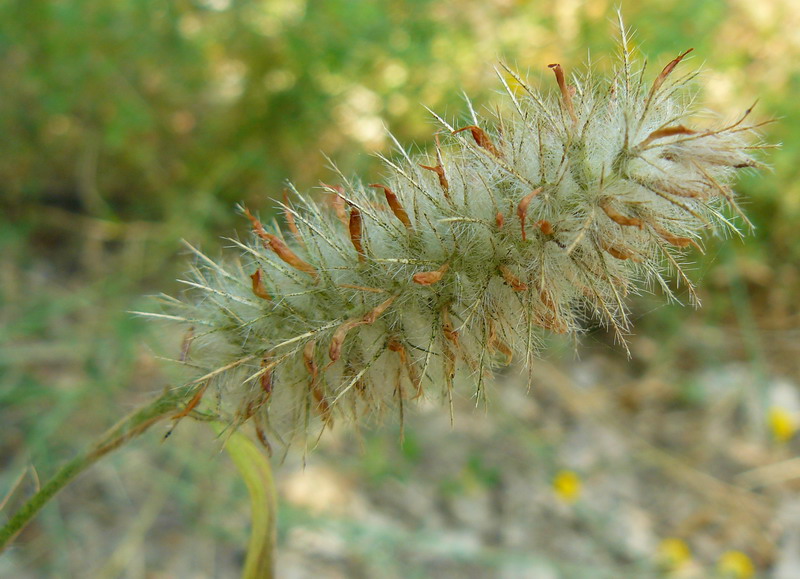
x=308 y=360
x=262 y=438
x=258 y=285
x=512 y=280
x=674 y=239
x=522 y=209
x=494 y=343
x=355 y=226
x=481 y=138
x=566 y=93
x=257 y=227
x=439 y=170
x=290 y=220
x=447 y=328
x=396 y=346
x=665 y=132
x=430 y=277
x=340 y=334
x=618 y=217
x=282 y=250
x=319 y=396
x=544 y=226
x=622 y=253
x=668 y=69
x=193 y=402
x=663 y=76
x=394 y=204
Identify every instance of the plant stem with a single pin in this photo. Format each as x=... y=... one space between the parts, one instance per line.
x=254 y=467
x=125 y=430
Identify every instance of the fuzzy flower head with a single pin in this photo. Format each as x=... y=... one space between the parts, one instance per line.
x=458 y=262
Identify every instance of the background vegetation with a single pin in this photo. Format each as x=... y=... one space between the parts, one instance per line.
x=129 y=124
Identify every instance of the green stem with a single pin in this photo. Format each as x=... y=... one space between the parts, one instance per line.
x=254 y=467
x=125 y=430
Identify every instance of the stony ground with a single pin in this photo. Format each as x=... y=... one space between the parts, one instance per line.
x=662 y=466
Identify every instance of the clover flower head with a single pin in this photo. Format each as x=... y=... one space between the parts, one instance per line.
x=459 y=261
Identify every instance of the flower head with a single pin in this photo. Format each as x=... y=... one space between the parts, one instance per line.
x=459 y=261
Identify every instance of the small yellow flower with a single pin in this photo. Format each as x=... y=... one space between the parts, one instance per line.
x=736 y=564
x=674 y=553
x=567 y=485
x=782 y=423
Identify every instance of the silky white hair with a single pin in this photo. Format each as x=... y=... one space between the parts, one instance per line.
x=459 y=261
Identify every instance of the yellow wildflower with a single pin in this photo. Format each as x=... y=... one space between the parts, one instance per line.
x=567 y=485
x=782 y=423
x=673 y=553
x=736 y=564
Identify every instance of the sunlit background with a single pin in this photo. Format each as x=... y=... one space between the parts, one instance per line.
x=127 y=125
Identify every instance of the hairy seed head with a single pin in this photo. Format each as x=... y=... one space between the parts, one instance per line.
x=587 y=194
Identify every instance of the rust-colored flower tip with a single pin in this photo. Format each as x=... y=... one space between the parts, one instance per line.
x=494 y=239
